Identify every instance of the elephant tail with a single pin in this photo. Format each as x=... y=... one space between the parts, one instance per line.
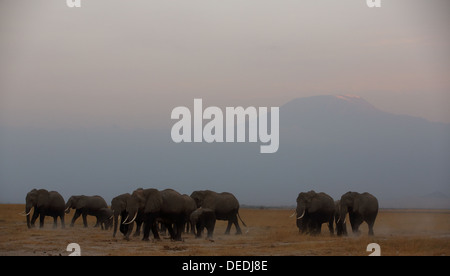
x=243 y=223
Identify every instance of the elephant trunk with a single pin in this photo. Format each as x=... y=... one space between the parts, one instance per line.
x=67 y=207
x=27 y=213
x=342 y=214
x=132 y=220
x=301 y=216
x=301 y=210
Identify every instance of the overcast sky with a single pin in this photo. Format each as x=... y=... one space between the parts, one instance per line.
x=70 y=78
x=129 y=63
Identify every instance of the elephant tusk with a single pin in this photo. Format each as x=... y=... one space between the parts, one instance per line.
x=295 y=212
x=125 y=220
x=67 y=209
x=302 y=214
x=23 y=213
x=132 y=219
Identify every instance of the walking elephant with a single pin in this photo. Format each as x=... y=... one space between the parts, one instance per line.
x=167 y=206
x=45 y=203
x=84 y=206
x=225 y=206
x=361 y=208
x=118 y=205
x=313 y=209
x=203 y=218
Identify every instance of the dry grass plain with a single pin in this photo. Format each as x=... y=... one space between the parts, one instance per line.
x=269 y=232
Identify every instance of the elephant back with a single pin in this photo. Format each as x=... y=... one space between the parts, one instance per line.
x=172 y=202
x=56 y=201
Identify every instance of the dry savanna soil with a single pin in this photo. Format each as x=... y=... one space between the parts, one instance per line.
x=268 y=232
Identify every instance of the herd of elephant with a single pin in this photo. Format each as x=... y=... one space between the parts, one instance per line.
x=313 y=209
x=149 y=207
x=173 y=211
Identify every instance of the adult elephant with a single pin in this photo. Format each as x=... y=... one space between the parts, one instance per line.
x=45 y=203
x=118 y=205
x=84 y=206
x=166 y=206
x=341 y=228
x=360 y=208
x=225 y=206
x=313 y=209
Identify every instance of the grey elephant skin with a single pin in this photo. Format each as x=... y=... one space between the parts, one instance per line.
x=84 y=206
x=119 y=205
x=45 y=203
x=360 y=208
x=203 y=218
x=105 y=218
x=189 y=207
x=313 y=209
x=225 y=206
x=167 y=206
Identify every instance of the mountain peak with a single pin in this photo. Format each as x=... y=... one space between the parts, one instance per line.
x=331 y=103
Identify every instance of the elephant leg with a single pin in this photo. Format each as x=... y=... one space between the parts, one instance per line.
x=98 y=223
x=227 y=231
x=236 y=224
x=154 y=231
x=41 y=220
x=370 y=224
x=149 y=223
x=84 y=215
x=331 y=227
x=34 y=217
x=116 y=223
x=55 y=222
x=171 y=231
x=355 y=221
x=180 y=228
x=129 y=230
x=210 y=229
x=137 y=233
x=75 y=216
x=63 y=225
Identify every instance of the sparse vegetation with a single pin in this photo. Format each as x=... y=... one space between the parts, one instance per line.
x=269 y=232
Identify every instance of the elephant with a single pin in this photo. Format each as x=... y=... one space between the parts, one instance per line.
x=45 y=203
x=225 y=206
x=313 y=210
x=201 y=218
x=85 y=205
x=105 y=218
x=361 y=208
x=167 y=206
x=118 y=205
x=341 y=228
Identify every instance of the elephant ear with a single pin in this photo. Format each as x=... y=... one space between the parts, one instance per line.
x=153 y=201
x=80 y=202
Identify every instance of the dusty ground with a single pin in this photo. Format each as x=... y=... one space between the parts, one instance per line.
x=269 y=232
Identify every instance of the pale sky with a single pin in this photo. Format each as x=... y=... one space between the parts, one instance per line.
x=129 y=63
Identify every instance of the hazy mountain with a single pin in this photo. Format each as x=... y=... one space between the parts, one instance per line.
x=327 y=143
x=345 y=143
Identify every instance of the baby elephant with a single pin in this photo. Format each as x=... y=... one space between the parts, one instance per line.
x=105 y=218
x=201 y=218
